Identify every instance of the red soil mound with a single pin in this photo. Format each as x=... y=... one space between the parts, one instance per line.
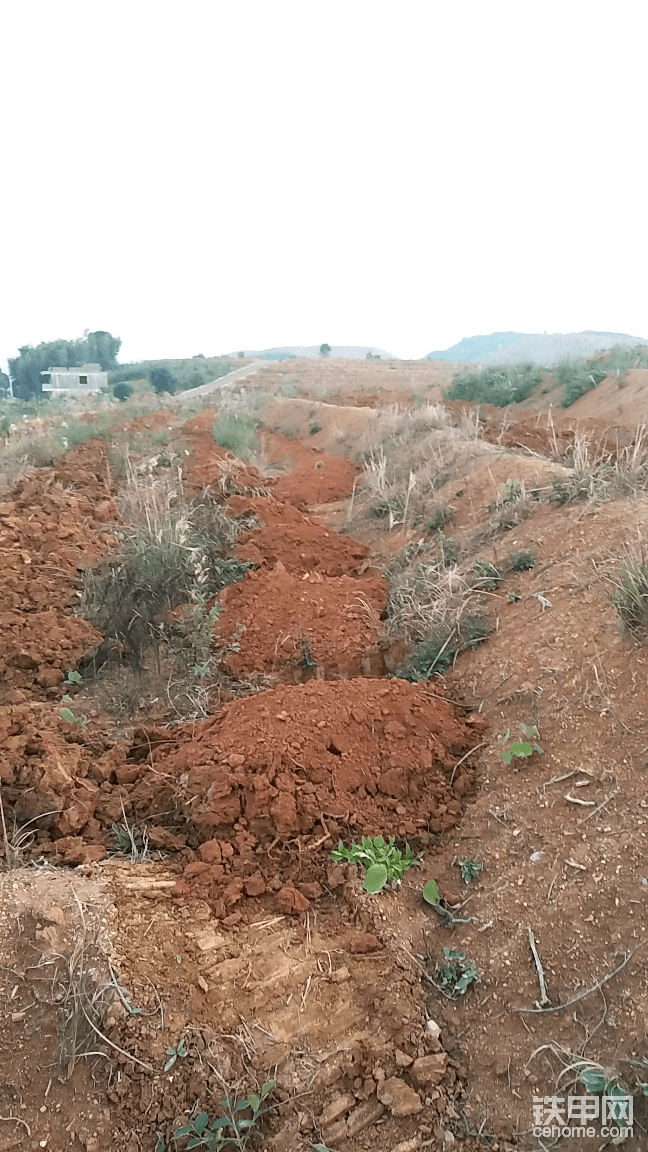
x=51 y=528
x=305 y=547
x=294 y=761
x=284 y=622
x=266 y=508
x=210 y=466
x=317 y=480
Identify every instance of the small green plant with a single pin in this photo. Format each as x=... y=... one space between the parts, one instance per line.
x=432 y=896
x=448 y=548
x=470 y=869
x=382 y=860
x=178 y=1053
x=524 y=747
x=521 y=561
x=560 y=492
x=439 y=517
x=488 y=575
x=597 y=1081
x=232 y=1129
x=131 y=841
x=436 y=653
x=510 y=492
x=74 y=678
x=456 y=974
x=314 y=427
x=67 y=715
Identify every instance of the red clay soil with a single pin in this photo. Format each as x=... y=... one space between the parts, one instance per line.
x=49 y=765
x=301 y=548
x=51 y=528
x=546 y=432
x=317 y=480
x=210 y=466
x=301 y=626
x=267 y=509
x=320 y=760
x=295 y=761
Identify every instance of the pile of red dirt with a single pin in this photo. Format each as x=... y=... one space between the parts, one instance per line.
x=210 y=466
x=375 y=756
x=301 y=626
x=50 y=768
x=267 y=509
x=303 y=547
x=317 y=480
x=52 y=526
x=305 y=764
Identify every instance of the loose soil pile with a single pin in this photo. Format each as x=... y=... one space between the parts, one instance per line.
x=301 y=626
x=53 y=526
x=302 y=761
x=302 y=547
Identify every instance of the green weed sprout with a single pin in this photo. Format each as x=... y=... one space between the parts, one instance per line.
x=469 y=869
x=230 y=1130
x=382 y=860
x=68 y=715
x=456 y=974
x=177 y=1053
x=522 y=747
x=74 y=678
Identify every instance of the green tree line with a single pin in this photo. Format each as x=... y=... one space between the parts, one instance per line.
x=93 y=348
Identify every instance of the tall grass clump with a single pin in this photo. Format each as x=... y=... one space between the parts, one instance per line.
x=235 y=431
x=630 y=595
x=176 y=555
x=433 y=608
x=499 y=386
x=578 y=377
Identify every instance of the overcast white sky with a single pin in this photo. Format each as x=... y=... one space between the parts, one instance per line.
x=224 y=174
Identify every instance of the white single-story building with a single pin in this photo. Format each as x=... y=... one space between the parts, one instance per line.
x=86 y=378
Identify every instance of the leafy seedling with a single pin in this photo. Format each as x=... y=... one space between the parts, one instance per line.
x=522 y=747
x=177 y=1053
x=200 y=670
x=595 y=1081
x=74 y=678
x=231 y=1130
x=456 y=974
x=67 y=715
x=521 y=561
x=469 y=869
x=432 y=896
x=381 y=859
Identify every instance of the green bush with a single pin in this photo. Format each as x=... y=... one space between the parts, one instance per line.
x=122 y=391
x=522 y=561
x=498 y=386
x=622 y=357
x=159 y=567
x=436 y=653
x=578 y=377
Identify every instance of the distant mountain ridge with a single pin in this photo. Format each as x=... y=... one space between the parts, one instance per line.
x=310 y=351
x=537 y=348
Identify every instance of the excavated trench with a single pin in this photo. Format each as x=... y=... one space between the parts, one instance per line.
x=247 y=803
